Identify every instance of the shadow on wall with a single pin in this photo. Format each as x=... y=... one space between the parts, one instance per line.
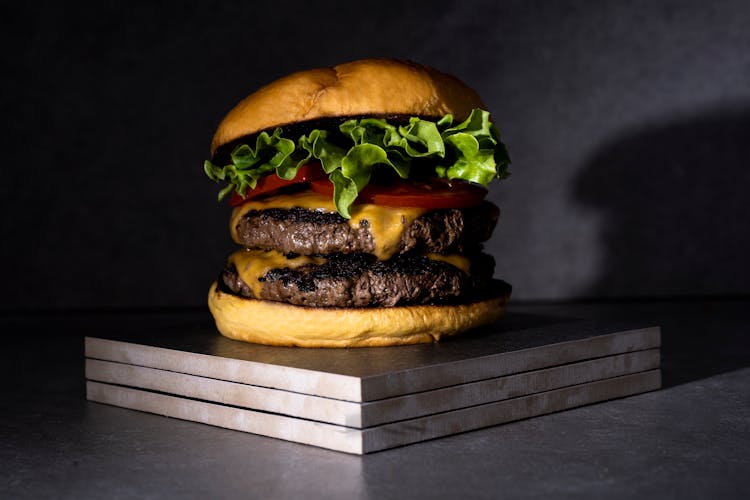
x=675 y=207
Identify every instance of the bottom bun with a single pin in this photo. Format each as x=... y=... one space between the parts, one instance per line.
x=276 y=323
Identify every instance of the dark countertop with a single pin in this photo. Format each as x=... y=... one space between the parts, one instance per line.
x=689 y=440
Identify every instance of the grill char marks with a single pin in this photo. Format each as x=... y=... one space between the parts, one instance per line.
x=360 y=280
x=302 y=231
x=451 y=230
x=308 y=232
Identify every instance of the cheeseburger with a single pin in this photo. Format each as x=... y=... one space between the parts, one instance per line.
x=359 y=204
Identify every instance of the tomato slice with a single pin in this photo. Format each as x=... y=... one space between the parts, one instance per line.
x=272 y=182
x=435 y=193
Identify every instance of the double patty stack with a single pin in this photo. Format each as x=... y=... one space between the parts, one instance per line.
x=325 y=260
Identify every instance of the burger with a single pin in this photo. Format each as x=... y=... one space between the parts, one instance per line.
x=359 y=207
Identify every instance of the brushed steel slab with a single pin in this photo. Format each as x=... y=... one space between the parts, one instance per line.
x=445 y=424
x=367 y=414
x=516 y=343
x=361 y=441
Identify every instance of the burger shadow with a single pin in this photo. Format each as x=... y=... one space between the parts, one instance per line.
x=673 y=205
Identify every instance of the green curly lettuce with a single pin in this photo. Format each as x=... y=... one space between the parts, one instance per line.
x=469 y=151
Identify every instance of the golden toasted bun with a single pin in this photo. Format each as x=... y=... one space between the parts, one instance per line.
x=275 y=323
x=365 y=87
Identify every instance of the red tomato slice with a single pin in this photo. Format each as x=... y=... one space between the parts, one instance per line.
x=437 y=193
x=273 y=182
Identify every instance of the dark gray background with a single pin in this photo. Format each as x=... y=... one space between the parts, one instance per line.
x=628 y=125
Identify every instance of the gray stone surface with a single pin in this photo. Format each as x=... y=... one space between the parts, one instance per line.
x=688 y=440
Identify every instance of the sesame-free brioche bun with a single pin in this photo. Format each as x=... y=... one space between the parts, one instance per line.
x=364 y=87
x=276 y=323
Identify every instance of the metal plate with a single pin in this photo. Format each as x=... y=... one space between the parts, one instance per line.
x=515 y=344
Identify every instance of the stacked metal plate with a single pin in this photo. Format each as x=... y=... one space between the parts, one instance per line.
x=364 y=400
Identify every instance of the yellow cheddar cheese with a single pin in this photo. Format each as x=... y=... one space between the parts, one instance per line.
x=455 y=260
x=385 y=224
x=254 y=264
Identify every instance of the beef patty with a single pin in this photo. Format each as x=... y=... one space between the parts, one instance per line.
x=309 y=232
x=361 y=280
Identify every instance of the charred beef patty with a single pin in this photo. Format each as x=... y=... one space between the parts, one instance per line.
x=309 y=232
x=360 y=280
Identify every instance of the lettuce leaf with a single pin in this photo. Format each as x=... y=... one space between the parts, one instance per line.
x=272 y=153
x=470 y=151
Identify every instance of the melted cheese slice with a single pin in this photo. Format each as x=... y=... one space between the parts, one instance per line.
x=455 y=260
x=252 y=265
x=385 y=224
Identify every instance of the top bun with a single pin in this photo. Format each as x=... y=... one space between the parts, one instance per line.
x=364 y=87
